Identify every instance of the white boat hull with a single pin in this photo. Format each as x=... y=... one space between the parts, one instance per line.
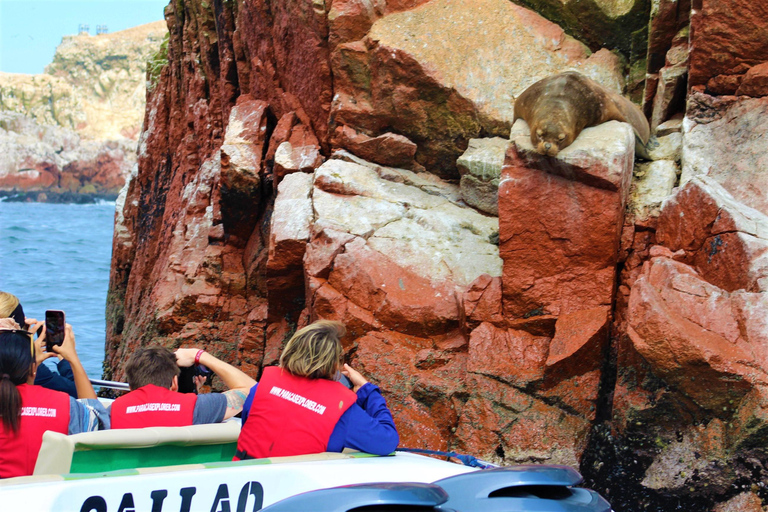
x=228 y=486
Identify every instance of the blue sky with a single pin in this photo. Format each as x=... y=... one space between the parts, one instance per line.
x=30 y=30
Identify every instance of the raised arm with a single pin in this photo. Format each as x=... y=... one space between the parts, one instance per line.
x=368 y=425
x=68 y=352
x=233 y=378
x=237 y=381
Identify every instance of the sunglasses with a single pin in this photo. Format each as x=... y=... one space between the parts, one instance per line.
x=26 y=333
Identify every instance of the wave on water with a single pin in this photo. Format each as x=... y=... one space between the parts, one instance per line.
x=57 y=256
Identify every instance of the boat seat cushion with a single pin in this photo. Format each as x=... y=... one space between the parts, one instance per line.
x=109 y=450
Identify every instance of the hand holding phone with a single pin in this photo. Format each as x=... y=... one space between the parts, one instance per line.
x=54 y=328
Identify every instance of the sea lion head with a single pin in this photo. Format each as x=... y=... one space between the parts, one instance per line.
x=550 y=136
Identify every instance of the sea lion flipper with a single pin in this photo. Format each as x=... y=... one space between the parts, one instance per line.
x=631 y=113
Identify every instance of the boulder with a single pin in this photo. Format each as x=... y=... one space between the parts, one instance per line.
x=400 y=244
x=578 y=346
x=690 y=332
x=667 y=146
x=653 y=183
x=480 y=168
x=673 y=125
x=415 y=219
x=241 y=165
x=755 y=82
x=387 y=149
x=744 y=502
x=445 y=72
x=715 y=144
x=560 y=220
x=671 y=82
x=667 y=19
x=725 y=240
x=727 y=38
x=289 y=234
x=691 y=459
x=290 y=159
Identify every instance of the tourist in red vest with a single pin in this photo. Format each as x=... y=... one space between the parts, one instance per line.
x=300 y=407
x=28 y=410
x=59 y=380
x=154 y=400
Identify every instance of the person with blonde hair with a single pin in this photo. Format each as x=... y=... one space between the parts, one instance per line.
x=300 y=407
x=60 y=380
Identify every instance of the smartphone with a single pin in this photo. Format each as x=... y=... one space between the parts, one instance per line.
x=54 y=328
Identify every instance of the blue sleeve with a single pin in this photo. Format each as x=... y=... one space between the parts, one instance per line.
x=65 y=370
x=52 y=380
x=209 y=408
x=247 y=404
x=87 y=415
x=366 y=426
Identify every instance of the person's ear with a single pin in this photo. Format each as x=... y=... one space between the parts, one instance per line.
x=175 y=383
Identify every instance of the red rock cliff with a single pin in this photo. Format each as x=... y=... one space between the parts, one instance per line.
x=300 y=160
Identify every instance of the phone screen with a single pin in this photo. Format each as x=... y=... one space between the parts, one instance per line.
x=54 y=328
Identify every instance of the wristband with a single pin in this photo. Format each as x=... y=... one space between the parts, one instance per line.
x=197 y=356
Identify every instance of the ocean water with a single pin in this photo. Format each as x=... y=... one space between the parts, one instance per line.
x=57 y=256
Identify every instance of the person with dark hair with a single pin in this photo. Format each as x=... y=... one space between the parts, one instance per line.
x=300 y=407
x=60 y=380
x=28 y=410
x=154 y=400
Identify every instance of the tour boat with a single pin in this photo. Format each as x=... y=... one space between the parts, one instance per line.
x=170 y=469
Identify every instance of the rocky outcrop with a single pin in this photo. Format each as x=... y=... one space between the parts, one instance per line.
x=696 y=319
x=727 y=41
x=95 y=85
x=550 y=259
x=601 y=23
x=302 y=160
x=733 y=153
x=42 y=159
x=445 y=72
x=480 y=169
x=73 y=130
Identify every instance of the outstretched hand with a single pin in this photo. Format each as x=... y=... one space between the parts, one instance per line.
x=354 y=377
x=40 y=353
x=67 y=348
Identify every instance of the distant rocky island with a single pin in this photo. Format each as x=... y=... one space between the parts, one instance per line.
x=71 y=134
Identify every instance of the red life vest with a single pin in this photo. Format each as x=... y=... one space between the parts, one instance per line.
x=41 y=409
x=292 y=415
x=153 y=406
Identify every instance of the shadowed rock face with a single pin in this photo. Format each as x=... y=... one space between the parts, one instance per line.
x=295 y=164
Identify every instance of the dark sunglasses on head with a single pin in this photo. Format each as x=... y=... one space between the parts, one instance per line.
x=26 y=333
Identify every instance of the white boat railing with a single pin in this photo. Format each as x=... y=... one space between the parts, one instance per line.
x=111 y=384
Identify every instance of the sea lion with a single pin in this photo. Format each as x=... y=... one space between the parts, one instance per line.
x=558 y=107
